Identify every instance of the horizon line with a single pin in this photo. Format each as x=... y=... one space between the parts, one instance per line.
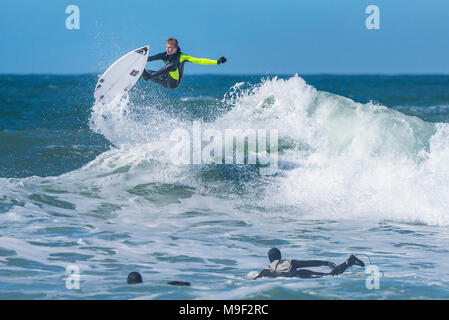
x=243 y=74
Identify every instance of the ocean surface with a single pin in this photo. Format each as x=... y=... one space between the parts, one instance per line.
x=92 y=191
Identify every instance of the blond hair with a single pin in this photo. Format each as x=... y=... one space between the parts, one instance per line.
x=173 y=42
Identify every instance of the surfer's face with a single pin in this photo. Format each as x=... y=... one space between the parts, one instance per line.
x=170 y=49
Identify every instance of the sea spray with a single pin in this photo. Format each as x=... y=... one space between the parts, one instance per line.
x=353 y=178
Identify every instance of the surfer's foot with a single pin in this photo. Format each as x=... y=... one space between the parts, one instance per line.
x=353 y=260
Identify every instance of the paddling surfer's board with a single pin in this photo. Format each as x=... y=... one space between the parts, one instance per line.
x=121 y=76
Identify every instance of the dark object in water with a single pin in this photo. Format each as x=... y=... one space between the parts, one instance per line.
x=134 y=277
x=179 y=283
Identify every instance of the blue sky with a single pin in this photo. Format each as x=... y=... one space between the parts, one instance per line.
x=257 y=37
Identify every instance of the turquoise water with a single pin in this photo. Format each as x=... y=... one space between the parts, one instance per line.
x=363 y=169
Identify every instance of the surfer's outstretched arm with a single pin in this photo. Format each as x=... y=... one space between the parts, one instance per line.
x=264 y=273
x=158 y=56
x=203 y=61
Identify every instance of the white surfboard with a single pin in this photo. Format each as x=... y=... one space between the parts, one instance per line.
x=121 y=76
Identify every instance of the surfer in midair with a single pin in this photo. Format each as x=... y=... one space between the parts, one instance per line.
x=171 y=74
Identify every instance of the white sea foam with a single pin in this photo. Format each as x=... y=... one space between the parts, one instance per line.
x=344 y=160
x=353 y=160
x=348 y=160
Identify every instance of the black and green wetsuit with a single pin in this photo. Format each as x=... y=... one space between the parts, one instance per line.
x=170 y=76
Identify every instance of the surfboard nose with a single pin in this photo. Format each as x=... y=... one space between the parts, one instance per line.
x=143 y=50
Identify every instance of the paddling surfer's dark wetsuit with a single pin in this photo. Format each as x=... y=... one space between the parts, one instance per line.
x=170 y=76
x=291 y=268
